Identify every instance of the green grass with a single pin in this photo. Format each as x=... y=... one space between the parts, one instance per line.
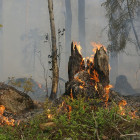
x=82 y=122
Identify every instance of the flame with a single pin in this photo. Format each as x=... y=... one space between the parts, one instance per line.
x=96 y=88
x=71 y=95
x=122 y=105
x=95 y=76
x=50 y=116
x=106 y=95
x=39 y=85
x=133 y=114
x=77 y=78
x=81 y=87
x=2 y=108
x=79 y=48
x=69 y=111
x=97 y=46
x=3 y=119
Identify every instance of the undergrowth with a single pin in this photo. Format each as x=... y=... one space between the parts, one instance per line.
x=76 y=119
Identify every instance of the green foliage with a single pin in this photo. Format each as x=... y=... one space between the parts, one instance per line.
x=1 y=25
x=121 y=15
x=27 y=85
x=81 y=121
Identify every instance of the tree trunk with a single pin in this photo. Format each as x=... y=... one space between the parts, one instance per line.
x=114 y=67
x=81 y=22
x=55 y=70
x=68 y=24
x=132 y=24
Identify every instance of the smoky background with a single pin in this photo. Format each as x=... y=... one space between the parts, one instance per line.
x=26 y=23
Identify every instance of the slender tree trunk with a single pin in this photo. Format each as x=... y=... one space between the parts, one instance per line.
x=55 y=70
x=68 y=24
x=81 y=22
x=133 y=27
x=114 y=67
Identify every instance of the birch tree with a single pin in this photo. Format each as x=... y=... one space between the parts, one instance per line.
x=55 y=70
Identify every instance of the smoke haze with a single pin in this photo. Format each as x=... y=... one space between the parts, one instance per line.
x=25 y=24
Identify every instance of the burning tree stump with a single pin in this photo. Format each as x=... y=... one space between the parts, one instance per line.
x=76 y=62
x=101 y=65
x=92 y=80
x=13 y=100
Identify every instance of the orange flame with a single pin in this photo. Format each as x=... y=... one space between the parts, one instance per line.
x=106 y=95
x=97 y=46
x=77 y=78
x=39 y=85
x=2 y=108
x=95 y=76
x=122 y=105
x=69 y=111
x=71 y=95
x=79 y=48
x=3 y=119
x=81 y=87
x=133 y=114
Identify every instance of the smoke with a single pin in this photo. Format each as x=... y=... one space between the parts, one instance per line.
x=25 y=24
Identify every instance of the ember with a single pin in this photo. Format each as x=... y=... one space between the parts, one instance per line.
x=122 y=105
x=5 y=120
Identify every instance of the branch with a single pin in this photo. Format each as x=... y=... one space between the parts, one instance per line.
x=135 y=134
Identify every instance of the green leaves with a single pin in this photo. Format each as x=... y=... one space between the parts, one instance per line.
x=1 y=25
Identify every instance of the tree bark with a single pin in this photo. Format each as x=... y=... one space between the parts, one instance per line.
x=55 y=70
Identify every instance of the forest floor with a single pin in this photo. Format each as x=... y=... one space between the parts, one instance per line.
x=77 y=119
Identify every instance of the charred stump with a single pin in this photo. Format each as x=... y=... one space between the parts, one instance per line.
x=90 y=80
x=75 y=63
x=101 y=65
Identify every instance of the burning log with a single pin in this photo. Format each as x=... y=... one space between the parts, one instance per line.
x=91 y=80
x=14 y=100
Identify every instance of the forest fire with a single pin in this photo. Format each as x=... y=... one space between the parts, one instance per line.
x=3 y=119
x=97 y=47
x=39 y=85
x=122 y=105
x=106 y=95
x=95 y=76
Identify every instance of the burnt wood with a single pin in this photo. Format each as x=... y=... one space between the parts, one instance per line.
x=76 y=62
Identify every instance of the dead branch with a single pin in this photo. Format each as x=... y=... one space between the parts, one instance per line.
x=134 y=134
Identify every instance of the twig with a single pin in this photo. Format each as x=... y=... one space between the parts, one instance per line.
x=96 y=126
x=134 y=134
x=122 y=118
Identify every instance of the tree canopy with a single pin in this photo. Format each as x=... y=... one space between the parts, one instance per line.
x=121 y=15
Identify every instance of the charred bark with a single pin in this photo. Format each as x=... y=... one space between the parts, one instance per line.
x=76 y=62
x=55 y=70
x=101 y=65
x=90 y=81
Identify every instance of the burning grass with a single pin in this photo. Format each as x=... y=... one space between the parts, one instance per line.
x=76 y=119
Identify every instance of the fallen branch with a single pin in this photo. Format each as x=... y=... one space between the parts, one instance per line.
x=134 y=134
